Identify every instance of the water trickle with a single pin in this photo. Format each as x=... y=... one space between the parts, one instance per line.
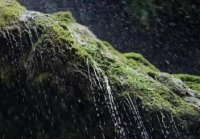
x=63 y=97
x=138 y=118
x=29 y=15
x=109 y=98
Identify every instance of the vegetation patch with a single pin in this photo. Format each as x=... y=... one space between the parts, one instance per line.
x=191 y=80
x=66 y=46
x=140 y=60
x=63 y=17
x=10 y=10
x=132 y=75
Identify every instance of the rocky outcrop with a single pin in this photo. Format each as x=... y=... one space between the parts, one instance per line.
x=58 y=80
x=171 y=42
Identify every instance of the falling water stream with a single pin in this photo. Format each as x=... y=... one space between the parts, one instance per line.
x=110 y=20
x=41 y=110
x=55 y=97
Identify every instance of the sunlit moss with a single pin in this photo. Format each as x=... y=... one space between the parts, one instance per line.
x=129 y=74
x=53 y=32
x=133 y=75
x=191 y=80
x=63 y=17
x=10 y=10
x=140 y=60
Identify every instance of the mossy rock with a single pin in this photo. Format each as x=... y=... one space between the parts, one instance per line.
x=192 y=81
x=63 y=17
x=10 y=10
x=140 y=59
x=63 y=76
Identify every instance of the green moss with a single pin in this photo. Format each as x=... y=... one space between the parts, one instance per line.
x=9 y=12
x=191 y=80
x=63 y=17
x=53 y=32
x=140 y=60
x=130 y=74
x=133 y=76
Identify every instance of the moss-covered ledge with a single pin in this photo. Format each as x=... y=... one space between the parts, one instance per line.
x=193 y=81
x=130 y=73
x=61 y=59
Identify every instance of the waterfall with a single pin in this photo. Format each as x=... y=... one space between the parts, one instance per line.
x=109 y=99
x=49 y=91
x=115 y=114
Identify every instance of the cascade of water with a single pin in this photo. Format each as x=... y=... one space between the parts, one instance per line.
x=174 y=126
x=10 y=42
x=167 y=125
x=137 y=116
x=108 y=100
x=30 y=37
x=98 y=78
x=94 y=97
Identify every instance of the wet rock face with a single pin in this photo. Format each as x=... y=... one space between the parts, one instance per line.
x=57 y=80
x=52 y=95
x=171 y=45
x=44 y=99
